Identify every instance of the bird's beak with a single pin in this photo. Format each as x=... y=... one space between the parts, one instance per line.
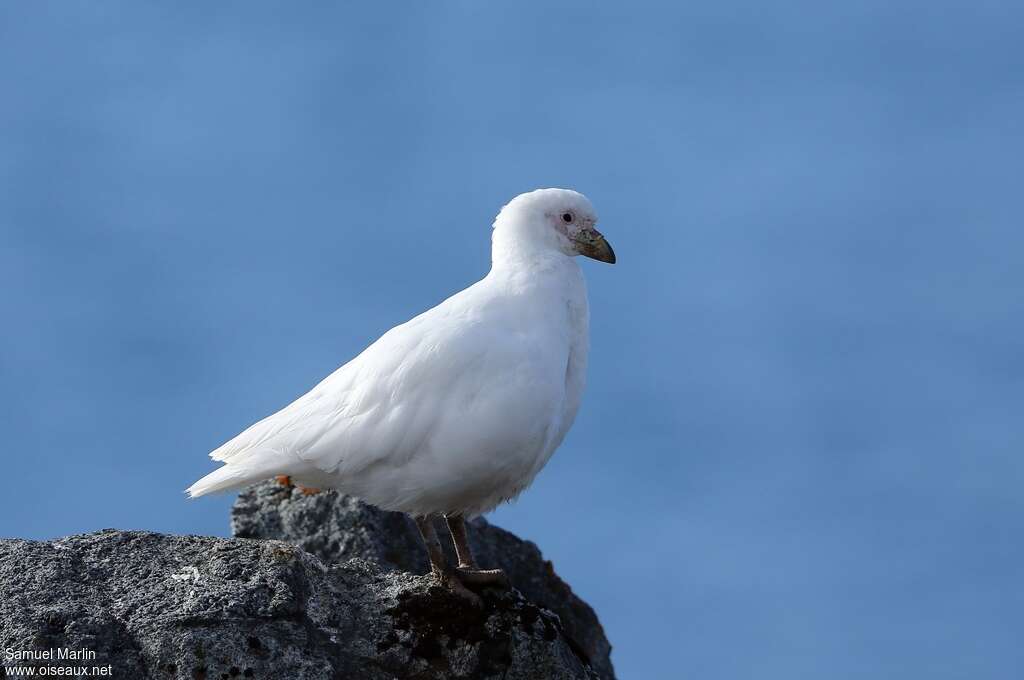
x=590 y=243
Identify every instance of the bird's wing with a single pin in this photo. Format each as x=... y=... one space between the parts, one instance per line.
x=349 y=394
x=352 y=391
x=385 y=405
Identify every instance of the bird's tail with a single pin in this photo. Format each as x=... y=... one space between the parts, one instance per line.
x=250 y=467
x=226 y=478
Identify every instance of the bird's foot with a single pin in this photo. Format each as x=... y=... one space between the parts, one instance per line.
x=453 y=583
x=471 y=576
x=309 y=491
x=284 y=480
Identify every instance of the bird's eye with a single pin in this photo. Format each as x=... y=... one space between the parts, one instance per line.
x=567 y=217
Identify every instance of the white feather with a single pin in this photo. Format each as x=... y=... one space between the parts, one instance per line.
x=455 y=410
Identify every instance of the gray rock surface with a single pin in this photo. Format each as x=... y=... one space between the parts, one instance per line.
x=202 y=608
x=335 y=528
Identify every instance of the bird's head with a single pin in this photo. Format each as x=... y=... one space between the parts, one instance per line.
x=559 y=220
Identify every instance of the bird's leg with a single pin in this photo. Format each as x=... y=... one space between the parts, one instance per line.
x=457 y=526
x=468 y=571
x=439 y=565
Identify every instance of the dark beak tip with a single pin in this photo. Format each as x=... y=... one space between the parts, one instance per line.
x=597 y=249
x=609 y=256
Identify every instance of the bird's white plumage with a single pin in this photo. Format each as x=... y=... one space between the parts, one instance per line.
x=457 y=409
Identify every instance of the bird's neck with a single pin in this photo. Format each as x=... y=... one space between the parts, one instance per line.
x=551 y=275
x=512 y=251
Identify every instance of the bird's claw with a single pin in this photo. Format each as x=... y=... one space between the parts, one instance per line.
x=454 y=585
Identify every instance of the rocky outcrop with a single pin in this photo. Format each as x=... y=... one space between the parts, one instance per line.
x=336 y=603
x=335 y=528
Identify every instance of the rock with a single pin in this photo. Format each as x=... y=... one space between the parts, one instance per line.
x=335 y=528
x=154 y=606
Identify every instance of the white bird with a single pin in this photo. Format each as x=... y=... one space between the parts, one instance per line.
x=457 y=410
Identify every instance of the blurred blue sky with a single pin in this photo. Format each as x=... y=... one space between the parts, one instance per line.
x=800 y=451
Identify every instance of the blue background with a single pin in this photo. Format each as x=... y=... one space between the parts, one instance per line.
x=800 y=451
